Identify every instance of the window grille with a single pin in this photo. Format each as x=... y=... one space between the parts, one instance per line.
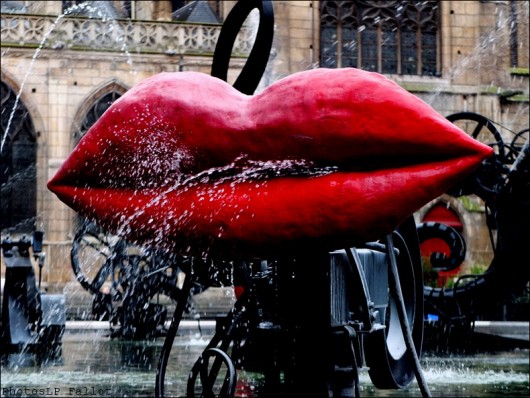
x=393 y=37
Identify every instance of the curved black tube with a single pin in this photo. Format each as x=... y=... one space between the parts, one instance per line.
x=170 y=337
x=508 y=272
x=395 y=285
x=229 y=386
x=453 y=239
x=250 y=76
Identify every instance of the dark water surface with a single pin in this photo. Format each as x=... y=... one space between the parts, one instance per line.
x=93 y=365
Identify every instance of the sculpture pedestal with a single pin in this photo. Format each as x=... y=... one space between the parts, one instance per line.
x=293 y=342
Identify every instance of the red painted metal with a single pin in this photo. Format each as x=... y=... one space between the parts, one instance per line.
x=442 y=213
x=392 y=151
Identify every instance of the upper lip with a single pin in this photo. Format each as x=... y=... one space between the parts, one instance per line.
x=390 y=152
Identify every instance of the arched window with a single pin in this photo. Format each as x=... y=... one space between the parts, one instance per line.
x=99 y=106
x=18 y=172
x=394 y=37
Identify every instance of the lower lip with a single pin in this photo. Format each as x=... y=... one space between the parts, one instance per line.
x=263 y=217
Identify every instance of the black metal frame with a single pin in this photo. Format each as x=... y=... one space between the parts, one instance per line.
x=503 y=183
x=135 y=279
x=276 y=332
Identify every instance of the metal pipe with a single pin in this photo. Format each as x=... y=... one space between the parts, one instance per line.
x=170 y=337
x=395 y=285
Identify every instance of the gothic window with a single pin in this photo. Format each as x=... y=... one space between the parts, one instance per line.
x=95 y=111
x=394 y=37
x=18 y=172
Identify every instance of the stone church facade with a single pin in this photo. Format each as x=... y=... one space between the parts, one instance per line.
x=63 y=63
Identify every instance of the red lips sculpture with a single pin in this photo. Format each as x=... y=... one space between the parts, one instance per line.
x=170 y=163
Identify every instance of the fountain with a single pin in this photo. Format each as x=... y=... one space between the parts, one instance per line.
x=32 y=322
x=301 y=191
x=502 y=182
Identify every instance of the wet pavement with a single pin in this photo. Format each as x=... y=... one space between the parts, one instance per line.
x=93 y=365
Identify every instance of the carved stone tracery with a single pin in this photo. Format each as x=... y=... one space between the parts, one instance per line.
x=115 y=35
x=395 y=36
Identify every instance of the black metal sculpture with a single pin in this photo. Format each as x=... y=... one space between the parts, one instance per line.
x=289 y=325
x=33 y=322
x=503 y=183
x=126 y=281
x=292 y=327
x=249 y=78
